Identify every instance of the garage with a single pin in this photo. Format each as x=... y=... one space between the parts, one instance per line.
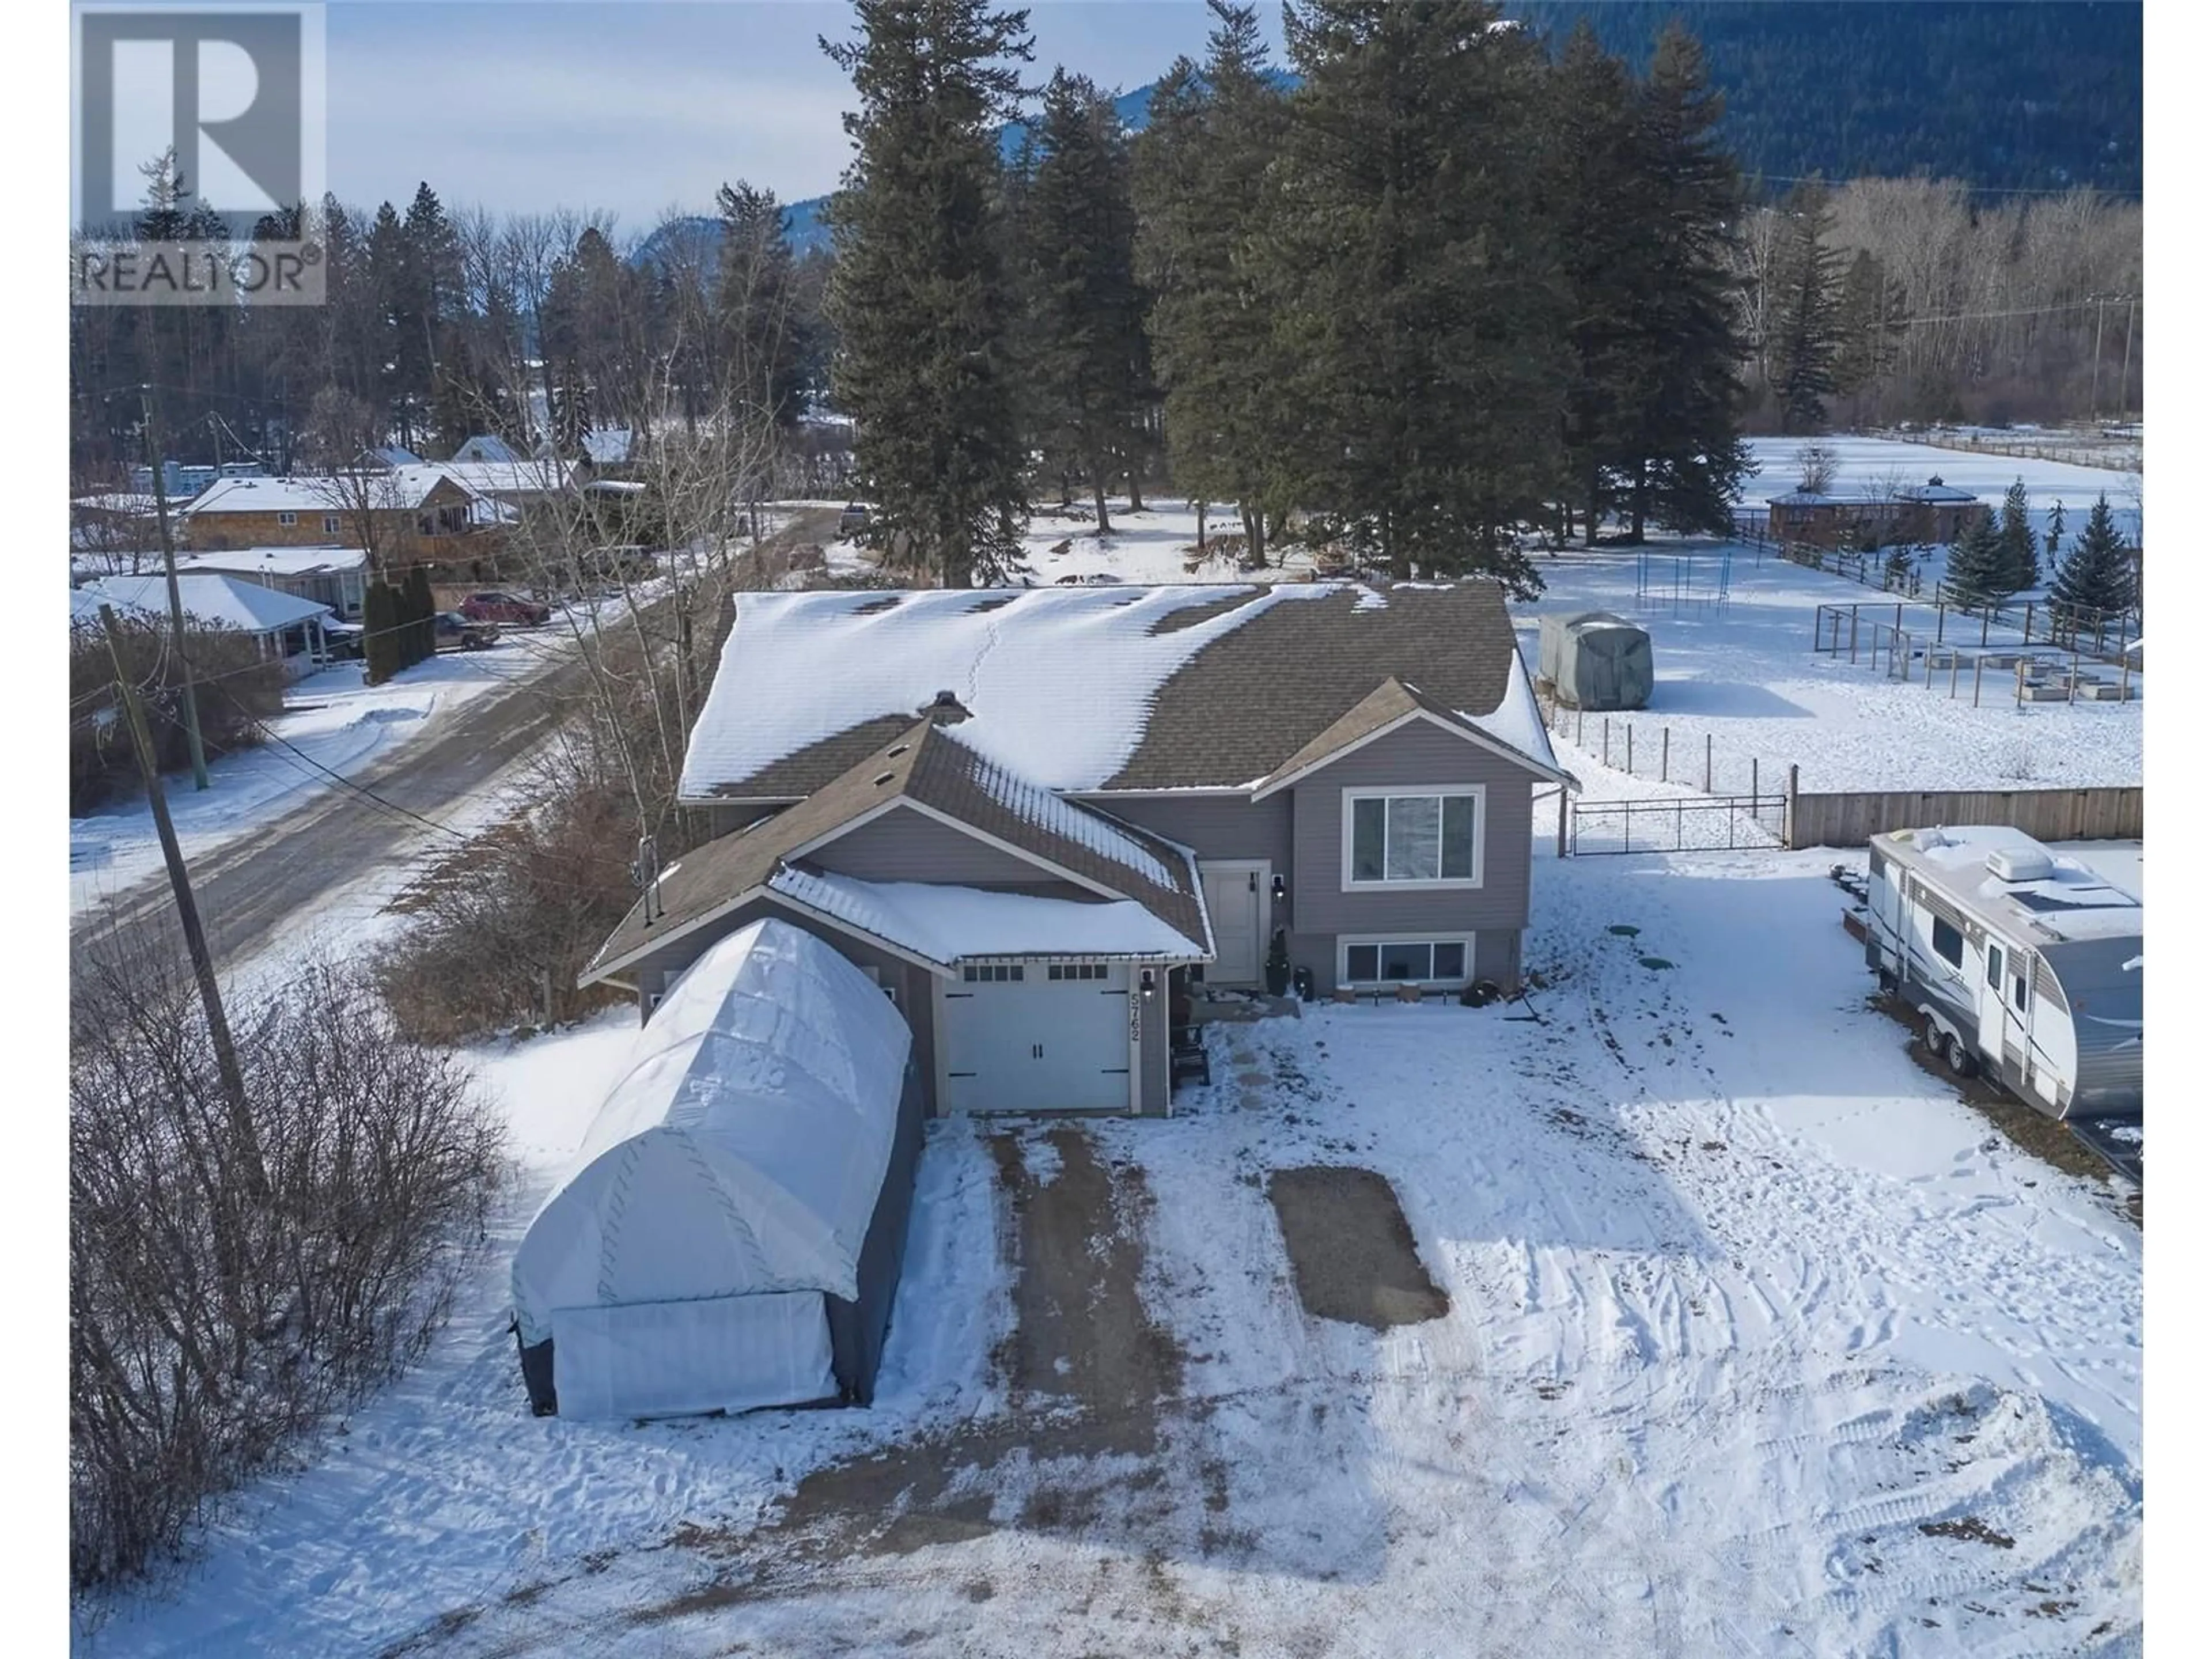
x=1037 y=1037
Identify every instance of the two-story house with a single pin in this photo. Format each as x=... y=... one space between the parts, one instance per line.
x=1028 y=813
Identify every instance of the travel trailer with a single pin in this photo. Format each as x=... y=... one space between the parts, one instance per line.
x=2020 y=964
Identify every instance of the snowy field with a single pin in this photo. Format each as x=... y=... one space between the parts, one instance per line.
x=1759 y=1342
x=1872 y=465
x=1155 y=545
x=1747 y=674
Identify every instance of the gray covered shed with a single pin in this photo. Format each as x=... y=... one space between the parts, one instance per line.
x=1595 y=660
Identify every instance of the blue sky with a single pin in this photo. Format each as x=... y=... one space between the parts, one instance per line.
x=637 y=106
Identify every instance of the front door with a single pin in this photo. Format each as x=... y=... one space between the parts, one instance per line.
x=1993 y=1002
x=1237 y=896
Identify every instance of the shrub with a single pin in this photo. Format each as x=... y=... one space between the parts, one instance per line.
x=238 y=1268
x=239 y=688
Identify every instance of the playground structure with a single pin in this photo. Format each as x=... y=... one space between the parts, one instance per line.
x=1695 y=580
x=2064 y=665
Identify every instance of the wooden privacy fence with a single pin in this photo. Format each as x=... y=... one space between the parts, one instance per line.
x=1851 y=818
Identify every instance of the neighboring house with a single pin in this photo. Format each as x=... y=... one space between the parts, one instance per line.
x=1030 y=814
x=1933 y=513
x=485 y=447
x=334 y=576
x=286 y=628
x=418 y=515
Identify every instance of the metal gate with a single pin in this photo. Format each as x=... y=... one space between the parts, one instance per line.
x=1677 y=824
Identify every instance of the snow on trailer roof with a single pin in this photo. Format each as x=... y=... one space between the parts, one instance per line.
x=2063 y=901
x=949 y=924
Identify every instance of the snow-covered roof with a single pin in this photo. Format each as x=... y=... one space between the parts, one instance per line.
x=949 y=925
x=743 y=1150
x=277 y=561
x=219 y=601
x=2071 y=902
x=519 y=477
x=486 y=446
x=118 y=501
x=1083 y=688
x=606 y=445
x=403 y=487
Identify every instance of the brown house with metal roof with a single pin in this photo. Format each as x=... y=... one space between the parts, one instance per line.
x=1032 y=814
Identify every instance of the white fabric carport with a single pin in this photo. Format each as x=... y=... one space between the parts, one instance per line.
x=725 y=1188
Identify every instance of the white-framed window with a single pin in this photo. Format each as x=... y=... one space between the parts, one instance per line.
x=330 y=524
x=1059 y=970
x=1440 y=959
x=288 y=520
x=1413 y=836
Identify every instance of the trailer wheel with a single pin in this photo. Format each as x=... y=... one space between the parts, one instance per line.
x=1933 y=1036
x=1959 y=1058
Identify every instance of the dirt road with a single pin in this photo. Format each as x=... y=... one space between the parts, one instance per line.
x=284 y=869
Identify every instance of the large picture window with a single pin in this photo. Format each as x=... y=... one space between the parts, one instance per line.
x=1425 y=837
x=1405 y=961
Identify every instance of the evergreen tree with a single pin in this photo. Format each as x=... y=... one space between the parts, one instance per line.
x=1428 y=315
x=1978 y=573
x=421 y=606
x=1205 y=252
x=379 y=633
x=1897 y=568
x=1804 y=335
x=2016 y=540
x=761 y=330
x=2054 y=531
x=1870 y=311
x=1685 y=460
x=1086 y=356
x=919 y=296
x=2097 y=575
x=1593 y=164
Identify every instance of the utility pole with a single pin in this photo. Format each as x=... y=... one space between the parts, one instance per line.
x=176 y=603
x=2128 y=352
x=142 y=742
x=2096 y=358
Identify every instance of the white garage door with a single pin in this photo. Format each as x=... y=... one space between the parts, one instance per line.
x=1034 y=1037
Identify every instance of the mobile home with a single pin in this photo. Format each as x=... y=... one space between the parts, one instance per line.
x=2018 y=963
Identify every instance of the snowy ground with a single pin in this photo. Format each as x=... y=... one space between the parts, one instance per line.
x=1158 y=544
x=1759 y=1342
x=1873 y=464
x=1747 y=675
x=334 y=722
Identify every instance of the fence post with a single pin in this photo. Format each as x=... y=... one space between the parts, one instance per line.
x=2019 y=683
x=1939 y=622
x=2027 y=624
x=2123 y=677
x=1631 y=768
x=1955 y=673
x=1928 y=681
x=1607 y=738
x=1978 y=682
x=1790 y=810
x=1987 y=611
x=1578 y=728
x=1855 y=636
x=1709 y=753
x=1754 y=783
x=2074 y=677
x=1898 y=619
x=1662 y=754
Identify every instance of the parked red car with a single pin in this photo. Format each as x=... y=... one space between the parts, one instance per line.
x=500 y=607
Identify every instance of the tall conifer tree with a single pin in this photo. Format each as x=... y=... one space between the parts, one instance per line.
x=919 y=296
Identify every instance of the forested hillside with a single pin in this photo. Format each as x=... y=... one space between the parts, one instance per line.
x=2002 y=93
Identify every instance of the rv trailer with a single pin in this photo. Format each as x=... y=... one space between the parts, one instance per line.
x=2020 y=964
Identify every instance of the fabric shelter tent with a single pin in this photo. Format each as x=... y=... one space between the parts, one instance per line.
x=1595 y=660
x=730 y=1233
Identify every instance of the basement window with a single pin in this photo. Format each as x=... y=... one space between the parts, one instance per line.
x=1404 y=962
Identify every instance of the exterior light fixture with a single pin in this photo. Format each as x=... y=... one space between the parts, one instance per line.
x=1144 y=984
x=1277 y=889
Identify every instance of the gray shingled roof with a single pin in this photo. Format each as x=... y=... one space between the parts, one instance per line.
x=1246 y=701
x=923 y=765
